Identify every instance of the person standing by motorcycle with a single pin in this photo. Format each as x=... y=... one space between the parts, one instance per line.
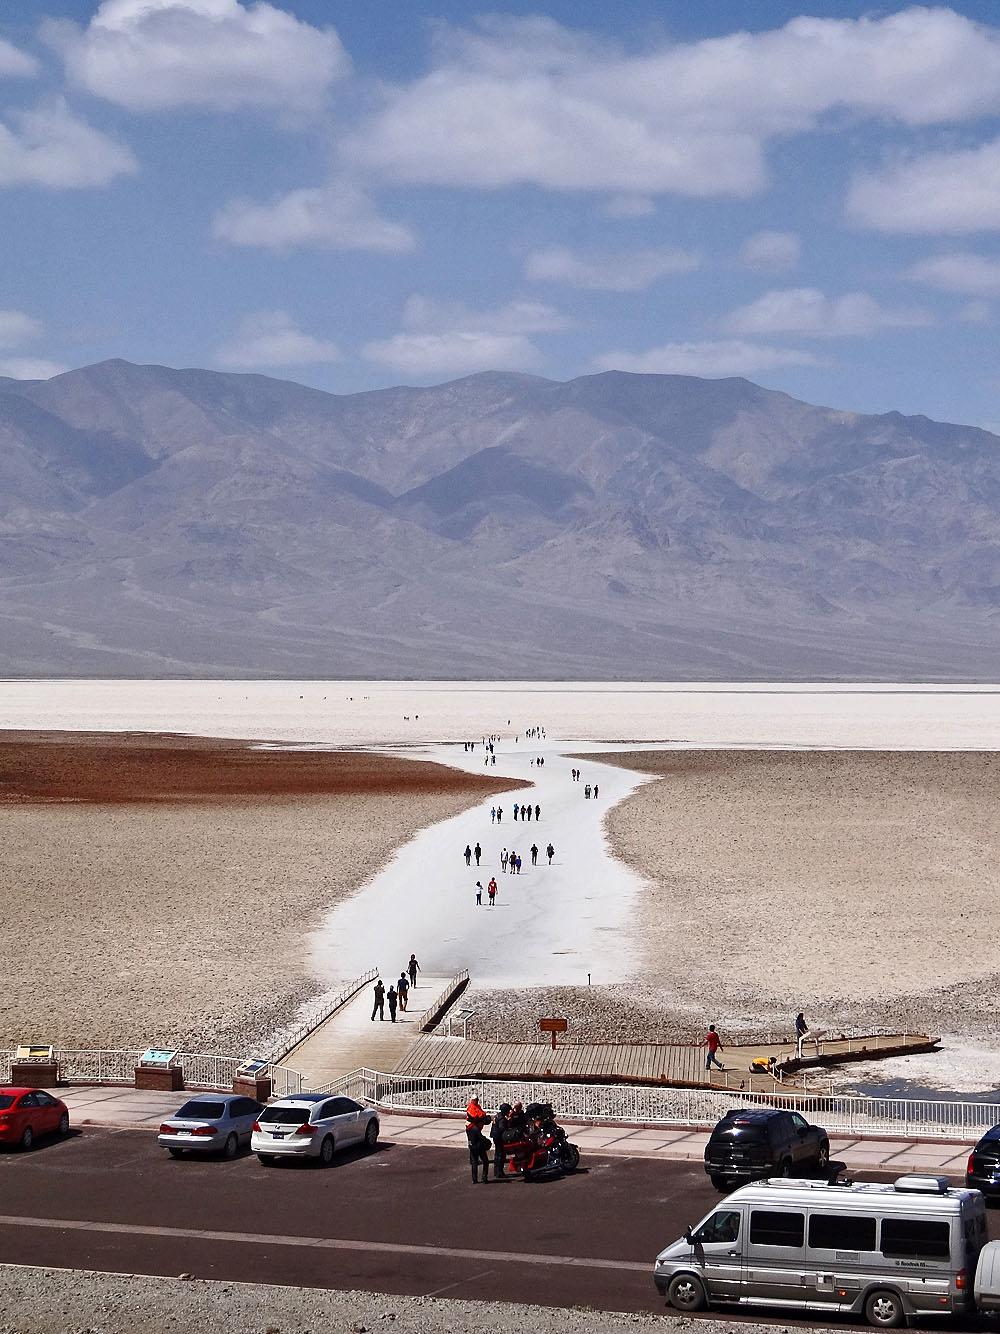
x=479 y=1145
x=498 y=1129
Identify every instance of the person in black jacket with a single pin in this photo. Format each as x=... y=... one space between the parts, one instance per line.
x=497 y=1130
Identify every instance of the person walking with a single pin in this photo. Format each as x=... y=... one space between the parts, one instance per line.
x=534 y=854
x=497 y=1128
x=499 y=808
x=492 y=892
x=714 y=1045
x=479 y=1145
x=550 y=852
x=402 y=989
x=538 y=811
x=392 y=997
x=413 y=968
x=503 y=860
x=479 y=892
x=801 y=1029
x=379 y=1007
x=518 y=862
x=595 y=791
x=516 y=809
x=477 y=852
x=493 y=811
x=467 y=854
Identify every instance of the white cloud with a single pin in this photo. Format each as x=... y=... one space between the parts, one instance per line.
x=15 y=63
x=151 y=55
x=771 y=252
x=16 y=328
x=710 y=359
x=517 y=317
x=941 y=192
x=806 y=311
x=628 y=271
x=30 y=368
x=976 y=312
x=513 y=101
x=629 y=206
x=462 y=352
x=958 y=272
x=50 y=147
x=272 y=338
x=334 y=217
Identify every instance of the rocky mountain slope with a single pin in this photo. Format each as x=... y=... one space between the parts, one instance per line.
x=164 y=522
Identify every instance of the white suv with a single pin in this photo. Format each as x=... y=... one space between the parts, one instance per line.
x=312 y=1125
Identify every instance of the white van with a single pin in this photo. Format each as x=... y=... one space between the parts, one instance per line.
x=888 y=1252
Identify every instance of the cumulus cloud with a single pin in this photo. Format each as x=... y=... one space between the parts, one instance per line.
x=15 y=63
x=627 y=271
x=959 y=272
x=940 y=192
x=629 y=206
x=771 y=252
x=50 y=147
x=449 y=338
x=334 y=217
x=272 y=338
x=16 y=328
x=712 y=360
x=511 y=101
x=806 y=311
x=30 y=368
x=152 y=55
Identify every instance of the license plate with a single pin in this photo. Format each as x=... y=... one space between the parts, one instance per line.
x=277 y=1134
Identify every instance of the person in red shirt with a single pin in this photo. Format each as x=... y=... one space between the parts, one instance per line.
x=714 y=1044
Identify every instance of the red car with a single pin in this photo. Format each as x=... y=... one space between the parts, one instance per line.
x=27 y=1113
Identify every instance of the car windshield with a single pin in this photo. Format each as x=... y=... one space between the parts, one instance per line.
x=198 y=1110
x=6 y=1100
x=285 y=1115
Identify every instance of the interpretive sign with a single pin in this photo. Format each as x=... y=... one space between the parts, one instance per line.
x=34 y=1051
x=553 y=1026
x=249 y=1069
x=159 y=1057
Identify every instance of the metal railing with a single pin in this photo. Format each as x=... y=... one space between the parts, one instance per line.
x=79 y=1065
x=317 y=1011
x=645 y=1104
x=433 y=1014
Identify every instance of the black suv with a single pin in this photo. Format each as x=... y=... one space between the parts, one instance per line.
x=983 y=1170
x=754 y=1142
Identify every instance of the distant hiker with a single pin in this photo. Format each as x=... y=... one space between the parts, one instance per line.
x=518 y=861
x=493 y=811
x=492 y=892
x=503 y=860
x=467 y=854
x=477 y=852
x=499 y=808
x=379 y=1007
x=402 y=991
x=550 y=852
x=413 y=968
x=516 y=809
x=801 y=1029
x=586 y=791
x=538 y=812
x=528 y=809
x=714 y=1044
x=595 y=791
x=479 y=892
x=391 y=998
x=534 y=854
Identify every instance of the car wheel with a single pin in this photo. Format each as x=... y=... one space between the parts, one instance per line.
x=884 y=1308
x=720 y=1184
x=231 y=1147
x=266 y=1159
x=176 y=1153
x=64 y=1124
x=785 y=1168
x=823 y=1157
x=686 y=1293
x=326 y=1151
x=371 y=1134
x=27 y=1139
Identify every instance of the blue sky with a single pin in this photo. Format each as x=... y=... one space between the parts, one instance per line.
x=404 y=192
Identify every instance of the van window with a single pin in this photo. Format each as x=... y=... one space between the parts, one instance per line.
x=723 y=1225
x=917 y=1238
x=842 y=1232
x=768 y=1227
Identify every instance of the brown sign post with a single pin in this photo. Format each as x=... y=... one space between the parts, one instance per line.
x=553 y=1026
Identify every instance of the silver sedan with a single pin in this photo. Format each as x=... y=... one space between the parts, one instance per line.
x=313 y=1125
x=211 y=1123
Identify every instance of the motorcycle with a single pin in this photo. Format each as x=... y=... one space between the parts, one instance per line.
x=542 y=1149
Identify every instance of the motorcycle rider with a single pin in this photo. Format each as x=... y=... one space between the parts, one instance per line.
x=498 y=1128
x=479 y=1145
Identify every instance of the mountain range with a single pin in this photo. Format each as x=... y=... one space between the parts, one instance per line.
x=158 y=522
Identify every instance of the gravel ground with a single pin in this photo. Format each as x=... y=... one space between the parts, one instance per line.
x=55 y=1301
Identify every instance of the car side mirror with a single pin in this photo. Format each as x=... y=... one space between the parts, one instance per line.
x=687 y=1235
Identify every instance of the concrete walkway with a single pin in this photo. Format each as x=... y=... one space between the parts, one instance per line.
x=350 y=1040
x=128 y=1108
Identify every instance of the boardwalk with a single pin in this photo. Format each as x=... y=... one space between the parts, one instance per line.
x=349 y=1039
x=639 y=1062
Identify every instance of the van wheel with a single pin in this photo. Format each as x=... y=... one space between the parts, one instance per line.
x=883 y=1308
x=686 y=1293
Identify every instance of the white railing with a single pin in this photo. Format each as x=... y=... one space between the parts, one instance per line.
x=433 y=1012
x=646 y=1104
x=201 y=1069
x=317 y=1011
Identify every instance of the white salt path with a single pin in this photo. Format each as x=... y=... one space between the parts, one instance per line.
x=550 y=924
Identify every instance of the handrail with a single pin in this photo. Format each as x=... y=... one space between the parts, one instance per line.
x=432 y=1016
x=102 y=1065
x=319 y=1010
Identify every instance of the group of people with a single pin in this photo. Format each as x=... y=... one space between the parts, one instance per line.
x=510 y=1123
x=398 y=996
x=469 y=853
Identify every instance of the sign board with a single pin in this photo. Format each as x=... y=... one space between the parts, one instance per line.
x=553 y=1025
x=34 y=1051
x=158 y=1057
x=250 y=1068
